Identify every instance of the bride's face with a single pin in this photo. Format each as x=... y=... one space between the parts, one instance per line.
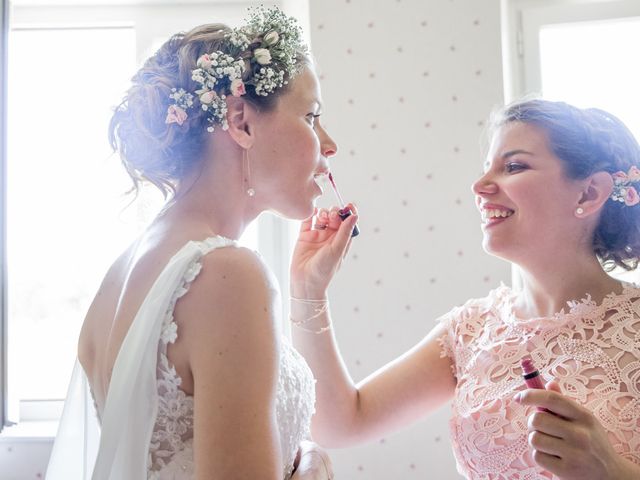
x=291 y=148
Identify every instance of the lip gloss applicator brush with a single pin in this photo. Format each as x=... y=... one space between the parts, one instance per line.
x=344 y=212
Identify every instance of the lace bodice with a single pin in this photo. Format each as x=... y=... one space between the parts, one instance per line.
x=171 y=450
x=592 y=350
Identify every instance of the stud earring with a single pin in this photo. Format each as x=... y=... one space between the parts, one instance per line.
x=579 y=211
x=246 y=173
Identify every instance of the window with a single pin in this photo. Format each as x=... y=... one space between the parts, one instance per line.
x=64 y=224
x=581 y=52
x=67 y=217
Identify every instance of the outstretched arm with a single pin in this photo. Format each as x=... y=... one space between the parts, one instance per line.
x=398 y=394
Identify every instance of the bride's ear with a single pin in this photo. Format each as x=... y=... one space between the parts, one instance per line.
x=240 y=118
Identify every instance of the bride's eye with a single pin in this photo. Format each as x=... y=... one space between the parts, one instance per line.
x=311 y=118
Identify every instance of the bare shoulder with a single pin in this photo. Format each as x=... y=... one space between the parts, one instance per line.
x=231 y=309
x=102 y=309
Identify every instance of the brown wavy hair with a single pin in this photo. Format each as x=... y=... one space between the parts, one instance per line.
x=588 y=141
x=156 y=152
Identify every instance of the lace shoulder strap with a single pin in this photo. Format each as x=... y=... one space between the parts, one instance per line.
x=131 y=405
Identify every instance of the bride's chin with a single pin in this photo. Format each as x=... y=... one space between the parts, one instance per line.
x=296 y=211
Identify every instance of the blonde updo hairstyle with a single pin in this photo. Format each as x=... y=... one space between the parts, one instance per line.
x=160 y=153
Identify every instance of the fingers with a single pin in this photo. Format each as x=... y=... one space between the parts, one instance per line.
x=343 y=237
x=352 y=207
x=546 y=461
x=329 y=218
x=321 y=219
x=307 y=223
x=546 y=443
x=553 y=386
x=548 y=424
x=554 y=401
x=334 y=218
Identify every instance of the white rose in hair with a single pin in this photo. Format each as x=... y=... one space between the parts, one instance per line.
x=207 y=97
x=262 y=56
x=237 y=88
x=272 y=38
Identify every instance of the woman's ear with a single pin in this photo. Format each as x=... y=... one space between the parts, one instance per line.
x=597 y=190
x=240 y=117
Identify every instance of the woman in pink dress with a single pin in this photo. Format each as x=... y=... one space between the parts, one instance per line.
x=559 y=199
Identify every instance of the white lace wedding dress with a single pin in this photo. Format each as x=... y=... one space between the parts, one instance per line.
x=146 y=428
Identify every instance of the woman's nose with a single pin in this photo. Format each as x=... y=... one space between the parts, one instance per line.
x=484 y=185
x=328 y=147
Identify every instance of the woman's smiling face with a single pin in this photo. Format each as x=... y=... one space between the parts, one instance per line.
x=526 y=201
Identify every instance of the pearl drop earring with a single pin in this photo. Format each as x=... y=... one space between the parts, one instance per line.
x=579 y=211
x=246 y=173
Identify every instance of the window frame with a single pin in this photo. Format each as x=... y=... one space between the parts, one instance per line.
x=150 y=22
x=4 y=38
x=522 y=21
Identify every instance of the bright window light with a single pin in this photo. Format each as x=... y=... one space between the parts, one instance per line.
x=594 y=64
x=65 y=219
x=68 y=215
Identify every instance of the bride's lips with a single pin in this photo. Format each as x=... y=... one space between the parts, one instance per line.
x=319 y=178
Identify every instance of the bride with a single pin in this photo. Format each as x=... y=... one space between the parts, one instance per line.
x=182 y=372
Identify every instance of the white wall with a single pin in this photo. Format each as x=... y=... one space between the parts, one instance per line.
x=407 y=86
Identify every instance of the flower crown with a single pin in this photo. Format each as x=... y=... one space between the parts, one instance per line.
x=623 y=191
x=262 y=53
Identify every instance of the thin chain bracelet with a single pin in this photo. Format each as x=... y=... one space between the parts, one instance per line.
x=299 y=325
x=320 y=307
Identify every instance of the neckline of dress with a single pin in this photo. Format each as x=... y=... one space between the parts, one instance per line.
x=581 y=307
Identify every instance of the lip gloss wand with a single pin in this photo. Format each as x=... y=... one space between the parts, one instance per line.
x=344 y=212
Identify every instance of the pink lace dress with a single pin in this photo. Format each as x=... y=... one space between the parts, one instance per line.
x=592 y=350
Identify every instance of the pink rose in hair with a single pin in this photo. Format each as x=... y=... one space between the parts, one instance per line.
x=634 y=174
x=175 y=115
x=237 y=88
x=204 y=61
x=619 y=178
x=631 y=197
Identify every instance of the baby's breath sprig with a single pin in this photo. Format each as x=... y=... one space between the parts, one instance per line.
x=261 y=54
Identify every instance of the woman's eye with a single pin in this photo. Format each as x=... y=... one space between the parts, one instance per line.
x=514 y=167
x=311 y=118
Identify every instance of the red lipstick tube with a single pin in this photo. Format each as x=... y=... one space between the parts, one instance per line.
x=532 y=377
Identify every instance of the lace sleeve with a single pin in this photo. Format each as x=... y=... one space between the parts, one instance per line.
x=448 y=338
x=461 y=326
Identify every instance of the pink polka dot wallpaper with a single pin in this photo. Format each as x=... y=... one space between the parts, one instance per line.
x=407 y=87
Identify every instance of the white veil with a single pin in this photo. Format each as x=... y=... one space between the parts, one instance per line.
x=119 y=450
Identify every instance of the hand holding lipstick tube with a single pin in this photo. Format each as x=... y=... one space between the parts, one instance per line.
x=532 y=377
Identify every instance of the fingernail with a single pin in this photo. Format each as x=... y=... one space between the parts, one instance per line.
x=518 y=397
